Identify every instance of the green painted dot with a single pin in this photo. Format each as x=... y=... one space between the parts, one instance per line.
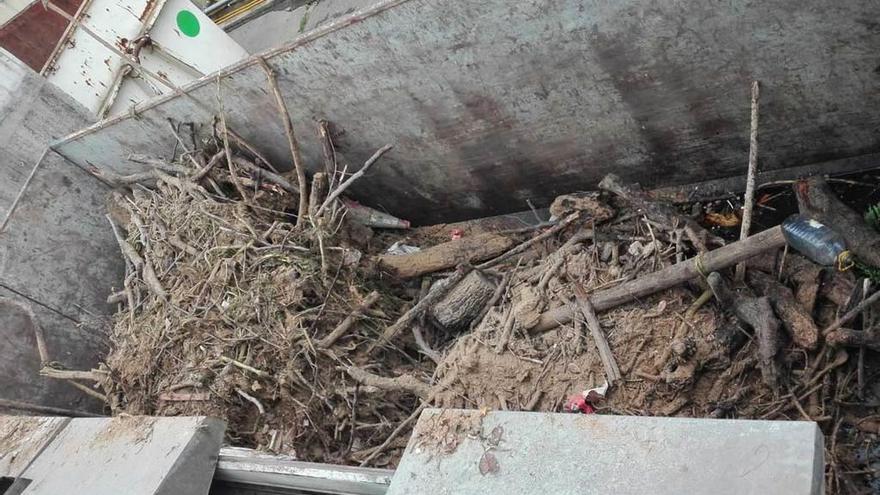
x=188 y=23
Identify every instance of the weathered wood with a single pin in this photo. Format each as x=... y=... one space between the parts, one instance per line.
x=670 y=276
x=463 y=303
x=659 y=211
x=749 y=198
x=612 y=371
x=446 y=255
x=349 y=320
x=758 y=314
x=816 y=200
x=855 y=338
x=796 y=320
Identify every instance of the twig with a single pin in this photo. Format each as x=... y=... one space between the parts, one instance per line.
x=749 y=199
x=349 y=320
x=506 y=332
x=423 y=346
x=612 y=371
x=24 y=187
x=233 y=176
x=402 y=383
x=252 y=400
x=403 y=424
x=268 y=174
x=93 y=375
x=329 y=154
x=244 y=366
x=39 y=409
x=128 y=251
x=499 y=292
x=291 y=142
x=88 y=391
x=531 y=242
x=355 y=176
x=852 y=313
x=439 y=290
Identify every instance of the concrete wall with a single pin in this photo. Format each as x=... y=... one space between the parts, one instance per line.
x=57 y=254
x=495 y=102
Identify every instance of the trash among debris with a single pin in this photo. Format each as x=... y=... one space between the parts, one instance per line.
x=585 y=401
x=722 y=219
x=399 y=248
x=372 y=217
x=816 y=241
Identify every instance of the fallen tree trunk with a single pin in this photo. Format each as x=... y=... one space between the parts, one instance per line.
x=816 y=200
x=711 y=261
x=446 y=255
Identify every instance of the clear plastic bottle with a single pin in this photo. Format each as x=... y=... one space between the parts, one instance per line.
x=816 y=241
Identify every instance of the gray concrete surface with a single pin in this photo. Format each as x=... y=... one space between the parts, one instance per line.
x=544 y=453
x=494 y=102
x=22 y=438
x=132 y=455
x=57 y=254
x=275 y=28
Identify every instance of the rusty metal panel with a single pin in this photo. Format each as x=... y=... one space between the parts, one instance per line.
x=491 y=103
x=33 y=33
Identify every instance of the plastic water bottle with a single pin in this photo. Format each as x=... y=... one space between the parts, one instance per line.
x=816 y=241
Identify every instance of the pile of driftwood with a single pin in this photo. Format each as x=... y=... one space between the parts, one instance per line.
x=259 y=296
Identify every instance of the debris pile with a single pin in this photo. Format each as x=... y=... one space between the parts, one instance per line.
x=284 y=313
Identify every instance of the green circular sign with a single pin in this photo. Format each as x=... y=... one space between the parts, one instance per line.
x=188 y=23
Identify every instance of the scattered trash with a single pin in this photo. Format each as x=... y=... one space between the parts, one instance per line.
x=816 y=241
x=585 y=401
x=456 y=234
x=399 y=248
x=372 y=217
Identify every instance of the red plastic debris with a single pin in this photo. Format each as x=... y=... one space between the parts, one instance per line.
x=578 y=403
x=457 y=234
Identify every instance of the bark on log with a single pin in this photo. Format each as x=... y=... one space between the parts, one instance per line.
x=463 y=303
x=446 y=255
x=757 y=313
x=855 y=338
x=669 y=277
x=659 y=211
x=796 y=320
x=816 y=200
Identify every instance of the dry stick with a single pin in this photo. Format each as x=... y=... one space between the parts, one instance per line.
x=439 y=290
x=253 y=400
x=670 y=276
x=612 y=371
x=403 y=424
x=349 y=320
x=27 y=182
x=355 y=176
x=852 y=313
x=244 y=366
x=526 y=245
x=423 y=346
x=267 y=174
x=232 y=175
x=316 y=195
x=506 y=332
x=47 y=410
x=88 y=391
x=402 y=383
x=749 y=199
x=327 y=151
x=499 y=292
x=291 y=142
x=93 y=375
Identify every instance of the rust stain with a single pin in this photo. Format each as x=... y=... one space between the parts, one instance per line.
x=151 y=4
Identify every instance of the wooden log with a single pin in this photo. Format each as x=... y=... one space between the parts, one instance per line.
x=796 y=320
x=671 y=276
x=612 y=371
x=463 y=303
x=816 y=200
x=855 y=338
x=757 y=313
x=446 y=255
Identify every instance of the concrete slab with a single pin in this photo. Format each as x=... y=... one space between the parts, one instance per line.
x=22 y=438
x=463 y=452
x=132 y=455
